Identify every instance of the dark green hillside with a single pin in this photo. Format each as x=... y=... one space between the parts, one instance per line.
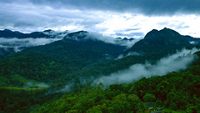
x=81 y=55
x=177 y=92
x=19 y=100
x=30 y=81
x=163 y=42
x=55 y=62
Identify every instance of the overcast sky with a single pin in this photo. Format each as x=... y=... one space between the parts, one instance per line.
x=131 y=18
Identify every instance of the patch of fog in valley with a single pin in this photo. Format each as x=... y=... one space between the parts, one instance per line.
x=176 y=62
x=173 y=63
x=19 y=44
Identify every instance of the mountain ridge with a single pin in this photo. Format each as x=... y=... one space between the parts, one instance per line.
x=164 y=41
x=82 y=51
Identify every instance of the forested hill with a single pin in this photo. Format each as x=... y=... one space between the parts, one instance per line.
x=176 y=92
x=59 y=77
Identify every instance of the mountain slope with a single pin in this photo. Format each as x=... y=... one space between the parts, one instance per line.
x=26 y=75
x=177 y=92
x=155 y=45
x=163 y=42
x=58 y=60
x=80 y=54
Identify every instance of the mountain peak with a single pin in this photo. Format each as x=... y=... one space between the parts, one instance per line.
x=163 y=33
x=165 y=40
x=168 y=30
x=6 y=30
x=48 y=30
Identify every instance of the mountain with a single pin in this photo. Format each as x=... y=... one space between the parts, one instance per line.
x=53 y=34
x=176 y=92
x=6 y=33
x=33 y=79
x=163 y=42
x=82 y=54
x=14 y=41
x=59 y=60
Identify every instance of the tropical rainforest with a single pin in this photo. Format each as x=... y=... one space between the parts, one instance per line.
x=82 y=74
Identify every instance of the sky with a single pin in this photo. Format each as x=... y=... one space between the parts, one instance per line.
x=124 y=18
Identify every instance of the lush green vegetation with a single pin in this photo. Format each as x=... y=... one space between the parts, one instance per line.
x=25 y=77
x=177 y=92
x=16 y=99
x=56 y=63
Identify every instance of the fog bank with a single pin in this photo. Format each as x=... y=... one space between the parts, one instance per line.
x=175 y=62
x=122 y=41
x=18 y=44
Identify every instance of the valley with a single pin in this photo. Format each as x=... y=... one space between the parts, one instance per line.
x=79 y=72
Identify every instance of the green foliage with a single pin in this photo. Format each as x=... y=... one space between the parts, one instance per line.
x=15 y=99
x=149 y=97
x=93 y=100
x=61 y=62
x=177 y=92
x=95 y=109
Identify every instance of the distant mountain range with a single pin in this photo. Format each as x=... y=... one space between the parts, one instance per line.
x=81 y=54
x=14 y=41
x=15 y=34
x=37 y=68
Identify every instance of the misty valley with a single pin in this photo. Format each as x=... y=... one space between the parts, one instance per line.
x=84 y=72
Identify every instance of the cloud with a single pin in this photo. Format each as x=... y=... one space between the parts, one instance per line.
x=124 y=18
x=42 y=16
x=19 y=44
x=175 y=62
x=31 y=84
x=148 y=7
x=107 y=39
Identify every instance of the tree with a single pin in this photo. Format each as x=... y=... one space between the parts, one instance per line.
x=148 y=97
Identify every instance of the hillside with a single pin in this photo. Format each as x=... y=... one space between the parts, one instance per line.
x=80 y=55
x=176 y=92
x=59 y=77
x=57 y=61
x=163 y=42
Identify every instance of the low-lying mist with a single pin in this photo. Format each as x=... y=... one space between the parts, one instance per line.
x=175 y=62
x=18 y=44
x=172 y=63
x=118 y=41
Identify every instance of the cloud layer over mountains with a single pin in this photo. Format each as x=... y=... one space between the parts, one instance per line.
x=127 y=18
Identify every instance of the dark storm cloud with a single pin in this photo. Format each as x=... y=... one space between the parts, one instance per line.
x=149 y=7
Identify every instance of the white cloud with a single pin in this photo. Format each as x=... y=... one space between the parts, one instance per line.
x=31 y=17
x=175 y=62
x=19 y=44
x=185 y=24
